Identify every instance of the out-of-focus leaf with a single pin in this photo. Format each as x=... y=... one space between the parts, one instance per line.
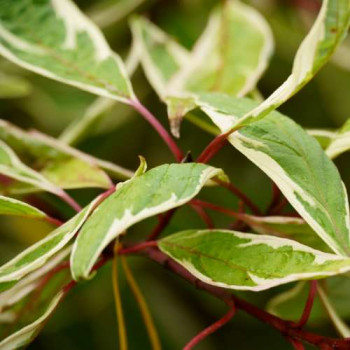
x=334 y=142
x=289 y=304
x=110 y=12
x=53 y=38
x=229 y=57
x=38 y=254
x=13 y=87
x=295 y=161
x=328 y=31
x=62 y=165
x=25 y=335
x=244 y=261
x=11 y=167
x=286 y=227
x=11 y=206
x=156 y=191
x=30 y=282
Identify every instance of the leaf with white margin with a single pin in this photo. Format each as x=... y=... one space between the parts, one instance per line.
x=230 y=56
x=64 y=166
x=339 y=141
x=31 y=281
x=54 y=38
x=26 y=334
x=39 y=253
x=248 y=261
x=156 y=191
x=328 y=31
x=160 y=55
x=12 y=167
x=11 y=206
x=295 y=161
x=286 y=227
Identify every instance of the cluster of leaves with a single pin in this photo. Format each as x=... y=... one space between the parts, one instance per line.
x=55 y=39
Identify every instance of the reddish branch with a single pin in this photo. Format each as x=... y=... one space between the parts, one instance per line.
x=287 y=328
x=211 y=329
x=162 y=224
x=159 y=128
x=308 y=305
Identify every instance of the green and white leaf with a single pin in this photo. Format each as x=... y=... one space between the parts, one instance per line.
x=39 y=253
x=54 y=38
x=342 y=328
x=328 y=31
x=286 y=227
x=12 y=167
x=334 y=142
x=156 y=191
x=30 y=282
x=25 y=335
x=110 y=12
x=161 y=55
x=11 y=206
x=230 y=56
x=248 y=261
x=295 y=161
x=62 y=165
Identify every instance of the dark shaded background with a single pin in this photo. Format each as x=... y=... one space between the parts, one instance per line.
x=86 y=319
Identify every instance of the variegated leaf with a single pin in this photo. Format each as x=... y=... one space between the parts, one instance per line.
x=11 y=167
x=295 y=161
x=328 y=31
x=248 y=261
x=222 y=60
x=53 y=38
x=64 y=166
x=26 y=334
x=231 y=54
x=156 y=191
x=334 y=142
x=39 y=253
x=30 y=282
x=286 y=227
x=11 y=206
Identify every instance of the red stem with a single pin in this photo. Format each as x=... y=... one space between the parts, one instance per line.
x=163 y=222
x=238 y=193
x=53 y=221
x=138 y=106
x=211 y=329
x=203 y=215
x=137 y=248
x=308 y=305
x=296 y=344
x=70 y=201
x=215 y=207
x=214 y=147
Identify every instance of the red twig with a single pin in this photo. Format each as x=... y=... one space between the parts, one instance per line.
x=296 y=344
x=311 y=5
x=137 y=248
x=163 y=222
x=213 y=148
x=215 y=207
x=285 y=327
x=203 y=215
x=238 y=193
x=53 y=221
x=137 y=105
x=70 y=201
x=211 y=329
x=308 y=305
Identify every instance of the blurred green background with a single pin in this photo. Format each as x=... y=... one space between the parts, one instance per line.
x=86 y=319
